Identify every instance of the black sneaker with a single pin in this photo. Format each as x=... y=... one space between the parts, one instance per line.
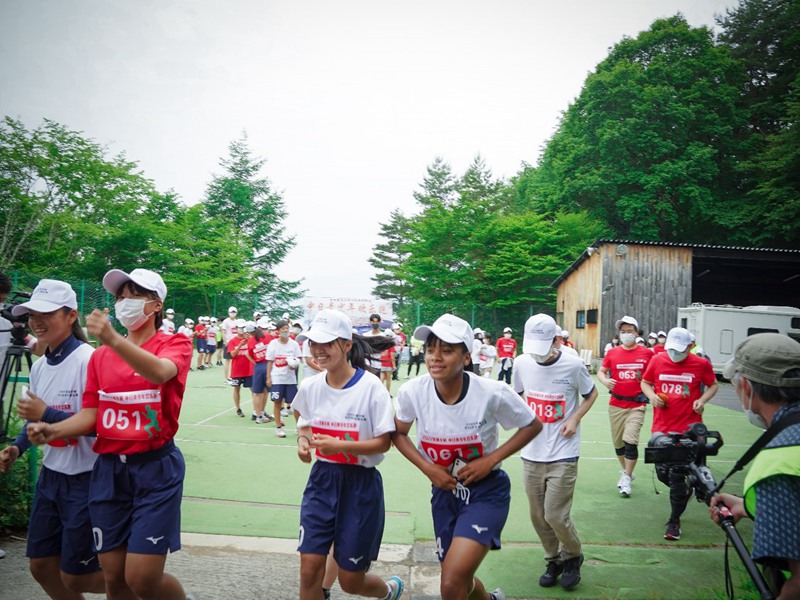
x=550 y=577
x=239 y=412
x=253 y=417
x=572 y=573
x=673 y=531
x=326 y=593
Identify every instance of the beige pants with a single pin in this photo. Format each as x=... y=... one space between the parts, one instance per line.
x=550 y=487
x=626 y=423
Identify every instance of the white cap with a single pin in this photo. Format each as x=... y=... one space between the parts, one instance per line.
x=214 y=319
x=232 y=309
x=187 y=321
x=450 y=329
x=508 y=330
x=539 y=333
x=565 y=333
x=629 y=321
x=170 y=311
x=327 y=326
x=639 y=340
x=396 y=326
x=240 y=323
x=263 y=323
x=49 y=295
x=662 y=334
x=149 y=280
x=652 y=335
x=678 y=339
x=477 y=330
x=249 y=327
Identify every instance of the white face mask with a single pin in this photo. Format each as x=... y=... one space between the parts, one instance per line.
x=754 y=418
x=676 y=356
x=542 y=358
x=130 y=312
x=507 y=336
x=627 y=338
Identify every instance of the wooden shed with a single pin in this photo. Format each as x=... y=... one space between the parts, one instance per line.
x=651 y=280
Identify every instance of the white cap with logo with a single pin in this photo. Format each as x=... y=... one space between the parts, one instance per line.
x=49 y=295
x=327 y=326
x=149 y=280
x=627 y=320
x=540 y=330
x=678 y=339
x=448 y=328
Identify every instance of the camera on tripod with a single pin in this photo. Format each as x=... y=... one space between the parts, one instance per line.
x=19 y=324
x=691 y=446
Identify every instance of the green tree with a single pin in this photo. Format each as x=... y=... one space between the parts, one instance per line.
x=244 y=198
x=647 y=146
x=388 y=258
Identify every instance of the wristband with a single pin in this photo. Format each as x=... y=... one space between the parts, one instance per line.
x=305 y=437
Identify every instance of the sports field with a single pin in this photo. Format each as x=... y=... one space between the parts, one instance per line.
x=243 y=480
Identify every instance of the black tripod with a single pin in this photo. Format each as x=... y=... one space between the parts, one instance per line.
x=12 y=363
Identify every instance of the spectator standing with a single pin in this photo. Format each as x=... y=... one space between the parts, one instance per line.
x=241 y=364
x=416 y=355
x=228 y=326
x=487 y=356
x=506 y=353
x=168 y=326
x=283 y=358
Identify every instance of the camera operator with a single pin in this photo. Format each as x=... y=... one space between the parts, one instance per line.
x=672 y=381
x=765 y=371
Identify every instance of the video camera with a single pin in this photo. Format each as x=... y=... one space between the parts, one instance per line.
x=19 y=324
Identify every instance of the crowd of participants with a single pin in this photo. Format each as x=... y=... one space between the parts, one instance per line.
x=107 y=506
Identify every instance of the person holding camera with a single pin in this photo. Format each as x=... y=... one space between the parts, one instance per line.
x=765 y=371
x=673 y=383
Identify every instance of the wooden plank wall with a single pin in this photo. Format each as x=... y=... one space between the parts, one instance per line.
x=581 y=291
x=648 y=283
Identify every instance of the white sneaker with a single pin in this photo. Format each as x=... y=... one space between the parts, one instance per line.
x=285 y=412
x=622 y=476
x=625 y=485
x=497 y=595
x=280 y=433
x=395 y=585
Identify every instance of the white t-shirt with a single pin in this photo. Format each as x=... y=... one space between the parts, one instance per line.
x=211 y=334
x=552 y=392
x=278 y=353
x=187 y=331
x=467 y=428
x=476 y=351
x=61 y=387
x=168 y=327
x=487 y=356
x=361 y=412
x=228 y=326
x=568 y=350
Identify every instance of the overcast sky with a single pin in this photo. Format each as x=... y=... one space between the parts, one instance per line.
x=349 y=101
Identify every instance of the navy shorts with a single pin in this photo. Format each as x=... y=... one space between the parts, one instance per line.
x=225 y=353
x=201 y=346
x=283 y=391
x=137 y=504
x=478 y=512
x=343 y=505
x=60 y=522
x=210 y=349
x=259 y=377
x=242 y=381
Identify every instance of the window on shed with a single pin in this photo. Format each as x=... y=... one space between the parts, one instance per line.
x=591 y=316
x=580 y=319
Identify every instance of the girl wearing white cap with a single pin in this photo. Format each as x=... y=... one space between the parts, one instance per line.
x=60 y=539
x=345 y=417
x=457 y=414
x=134 y=392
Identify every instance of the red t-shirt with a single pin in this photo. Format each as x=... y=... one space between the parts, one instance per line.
x=506 y=348
x=386 y=357
x=627 y=366
x=681 y=383
x=258 y=348
x=240 y=364
x=133 y=414
x=658 y=349
x=200 y=331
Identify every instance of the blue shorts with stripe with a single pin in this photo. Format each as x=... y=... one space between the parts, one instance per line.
x=478 y=512
x=60 y=524
x=138 y=504
x=259 y=377
x=343 y=505
x=283 y=391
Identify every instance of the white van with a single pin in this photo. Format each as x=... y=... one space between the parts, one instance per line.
x=720 y=328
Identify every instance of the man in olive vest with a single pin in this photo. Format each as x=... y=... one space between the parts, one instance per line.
x=765 y=371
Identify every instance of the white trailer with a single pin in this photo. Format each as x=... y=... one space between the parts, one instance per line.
x=720 y=328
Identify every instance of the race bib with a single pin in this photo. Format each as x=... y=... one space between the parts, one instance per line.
x=280 y=362
x=130 y=415
x=443 y=450
x=549 y=408
x=676 y=387
x=630 y=371
x=343 y=430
